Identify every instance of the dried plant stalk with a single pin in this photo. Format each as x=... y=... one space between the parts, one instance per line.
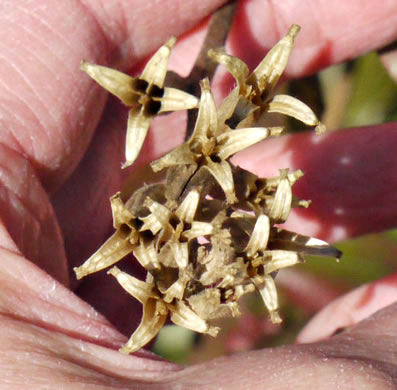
x=209 y=234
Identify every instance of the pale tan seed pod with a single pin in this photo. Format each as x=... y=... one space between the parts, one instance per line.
x=280 y=259
x=238 y=68
x=186 y=211
x=288 y=105
x=233 y=142
x=259 y=236
x=183 y=316
x=281 y=205
x=268 y=72
x=112 y=251
x=267 y=289
x=157 y=66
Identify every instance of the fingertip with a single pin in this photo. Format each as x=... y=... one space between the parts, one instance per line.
x=350 y=309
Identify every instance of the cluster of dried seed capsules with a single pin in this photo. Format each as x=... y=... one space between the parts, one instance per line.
x=209 y=234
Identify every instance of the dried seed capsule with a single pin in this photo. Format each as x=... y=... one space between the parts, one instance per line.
x=145 y=95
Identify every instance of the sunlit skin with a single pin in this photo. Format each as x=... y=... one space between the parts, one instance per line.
x=62 y=146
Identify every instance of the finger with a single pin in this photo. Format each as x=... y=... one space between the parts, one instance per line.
x=349 y=176
x=43 y=323
x=30 y=295
x=45 y=358
x=331 y=32
x=350 y=309
x=363 y=357
x=39 y=104
x=49 y=110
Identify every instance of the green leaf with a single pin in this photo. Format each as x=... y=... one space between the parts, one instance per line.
x=374 y=93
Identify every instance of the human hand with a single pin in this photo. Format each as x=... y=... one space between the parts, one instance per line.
x=62 y=147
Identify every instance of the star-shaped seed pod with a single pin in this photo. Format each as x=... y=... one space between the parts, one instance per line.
x=146 y=96
x=268 y=250
x=210 y=146
x=155 y=312
x=264 y=263
x=272 y=196
x=119 y=245
x=129 y=222
x=252 y=96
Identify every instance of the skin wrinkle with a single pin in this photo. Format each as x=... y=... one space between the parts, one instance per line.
x=56 y=121
x=25 y=104
x=30 y=86
x=75 y=148
x=38 y=37
x=68 y=370
x=23 y=233
x=59 y=328
x=10 y=132
x=18 y=196
x=53 y=31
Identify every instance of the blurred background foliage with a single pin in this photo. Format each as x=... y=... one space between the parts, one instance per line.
x=357 y=93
